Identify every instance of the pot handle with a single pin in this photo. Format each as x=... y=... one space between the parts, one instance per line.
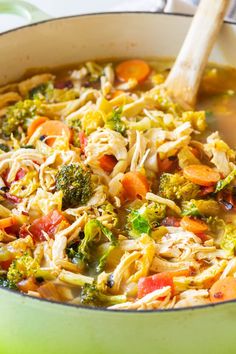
x=23 y=9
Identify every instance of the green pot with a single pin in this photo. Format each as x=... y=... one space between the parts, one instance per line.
x=32 y=326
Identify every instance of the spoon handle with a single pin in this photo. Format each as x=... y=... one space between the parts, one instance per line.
x=184 y=79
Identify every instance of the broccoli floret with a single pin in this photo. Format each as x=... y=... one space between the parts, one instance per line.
x=47 y=92
x=200 y=207
x=22 y=268
x=114 y=122
x=75 y=184
x=91 y=295
x=41 y=92
x=5 y=283
x=177 y=187
x=19 y=116
x=144 y=219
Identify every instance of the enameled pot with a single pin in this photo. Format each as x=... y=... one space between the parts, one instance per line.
x=32 y=326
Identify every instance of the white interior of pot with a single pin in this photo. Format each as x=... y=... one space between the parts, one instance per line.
x=71 y=40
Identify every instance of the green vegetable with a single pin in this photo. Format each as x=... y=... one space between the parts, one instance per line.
x=114 y=122
x=217 y=227
x=47 y=92
x=77 y=279
x=5 y=283
x=177 y=187
x=19 y=116
x=200 y=207
x=4 y=148
x=186 y=158
x=145 y=218
x=228 y=242
x=108 y=210
x=41 y=92
x=75 y=184
x=226 y=181
x=22 y=268
x=74 y=255
x=93 y=231
x=139 y=224
x=103 y=259
x=28 y=147
x=91 y=295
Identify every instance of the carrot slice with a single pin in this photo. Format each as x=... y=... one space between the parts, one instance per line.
x=55 y=127
x=193 y=225
x=201 y=174
x=35 y=124
x=117 y=93
x=27 y=285
x=7 y=222
x=132 y=69
x=135 y=185
x=223 y=290
x=108 y=162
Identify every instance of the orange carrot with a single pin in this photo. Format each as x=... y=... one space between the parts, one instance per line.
x=35 y=124
x=135 y=185
x=117 y=93
x=7 y=222
x=107 y=163
x=201 y=174
x=223 y=290
x=193 y=225
x=179 y=273
x=55 y=127
x=132 y=69
x=27 y=285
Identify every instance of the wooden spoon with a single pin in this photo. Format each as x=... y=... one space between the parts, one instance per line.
x=184 y=79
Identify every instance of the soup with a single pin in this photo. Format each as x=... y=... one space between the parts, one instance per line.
x=112 y=195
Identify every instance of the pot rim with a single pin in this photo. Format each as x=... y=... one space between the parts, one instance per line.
x=103 y=309
x=54 y=19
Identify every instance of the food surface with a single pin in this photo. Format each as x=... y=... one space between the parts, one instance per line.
x=111 y=195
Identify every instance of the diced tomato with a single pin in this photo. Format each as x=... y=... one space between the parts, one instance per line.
x=48 y=223
x=20 y=174
x=12 y=198
x=206 y=190
x=83 y=140
x=171 y=221
x=158 y=281
x=204 y=237
x=154 y=282
x=5 y=264
x=24 y=231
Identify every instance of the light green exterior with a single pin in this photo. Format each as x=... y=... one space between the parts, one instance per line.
x=30 y=326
